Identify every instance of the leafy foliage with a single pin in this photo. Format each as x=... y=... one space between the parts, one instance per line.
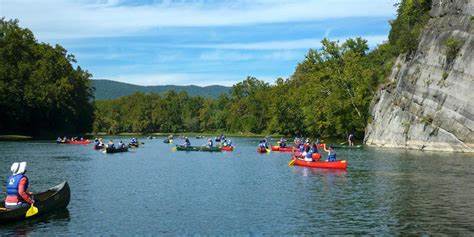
x=453 y=46
x=40 y=90
x=406 y=29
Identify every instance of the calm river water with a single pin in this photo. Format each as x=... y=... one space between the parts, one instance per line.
x=155 y=191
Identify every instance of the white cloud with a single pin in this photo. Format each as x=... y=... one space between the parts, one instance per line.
x=373 y=40
x=84 y=18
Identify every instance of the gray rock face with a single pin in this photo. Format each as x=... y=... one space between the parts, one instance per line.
x=429 y=102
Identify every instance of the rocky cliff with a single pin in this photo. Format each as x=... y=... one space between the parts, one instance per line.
x=429 y=102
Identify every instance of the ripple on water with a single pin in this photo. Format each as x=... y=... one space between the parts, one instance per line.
x=153 y=190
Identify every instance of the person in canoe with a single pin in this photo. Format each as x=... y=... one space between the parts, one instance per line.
x=121 y=145
x=350 y=139
x=186 y=142
x=210 y=144
x=17 y=188
x=331 y=153
x=307 y=154
x=134 y=142
x=314 y=148
x=282 y=142
x=59 y=140
x=111 y=144
x=225 y=143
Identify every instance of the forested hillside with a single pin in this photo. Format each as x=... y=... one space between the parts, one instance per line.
x=42 y=91
x=107 y=89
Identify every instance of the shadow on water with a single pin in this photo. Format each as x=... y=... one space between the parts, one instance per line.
x=26 y=227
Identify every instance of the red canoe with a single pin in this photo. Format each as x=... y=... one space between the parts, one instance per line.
x=283 y=149
x=227 y=148
x=83 y=142
x=340 y=164
x=261 y=150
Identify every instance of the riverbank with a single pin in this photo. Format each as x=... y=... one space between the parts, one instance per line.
x=15 y=138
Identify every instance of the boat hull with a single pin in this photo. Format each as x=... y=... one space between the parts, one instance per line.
x=56 y=198
x=340 y=164
x=198 y=148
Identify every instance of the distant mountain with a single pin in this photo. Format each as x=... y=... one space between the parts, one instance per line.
x=107 y=89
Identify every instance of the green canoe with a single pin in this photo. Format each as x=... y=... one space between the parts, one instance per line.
x=197 y=148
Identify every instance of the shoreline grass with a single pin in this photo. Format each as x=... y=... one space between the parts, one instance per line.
x=15 y=137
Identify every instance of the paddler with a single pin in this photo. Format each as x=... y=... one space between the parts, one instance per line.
x=308 y=154
x=209 y=143
x=111 y=145
x=17 y=186
x=350 y=139
x=187 y=142
x=331 y=153
x=282 y=142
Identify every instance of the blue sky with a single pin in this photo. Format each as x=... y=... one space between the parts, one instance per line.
x=201 y=42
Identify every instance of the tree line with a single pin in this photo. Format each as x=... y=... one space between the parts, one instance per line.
x=328 y=95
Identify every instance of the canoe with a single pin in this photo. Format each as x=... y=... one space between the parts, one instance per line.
x=98 y=147
x=55 y=198
x=261 y=150
x=115 y=150
x=340 y=164
x=283 y=149
x=197 y=148
x=227 y=148
x=84 y=142
x=133 y=145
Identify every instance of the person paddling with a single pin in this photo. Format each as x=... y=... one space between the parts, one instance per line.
x=210 y=143
x=350 y=139
x=187 y=142
x=111 y=145
x=331 y=153
x=282 y=142
x=17 y=186
x=308 y=154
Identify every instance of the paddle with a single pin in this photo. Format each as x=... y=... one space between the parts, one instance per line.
x=31 y=211
x=292 y=162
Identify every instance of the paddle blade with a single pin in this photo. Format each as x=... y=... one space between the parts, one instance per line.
x=32 y=211
x=173 y=149
x=292 y=162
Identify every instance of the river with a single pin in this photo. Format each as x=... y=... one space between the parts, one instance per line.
x=154 y=190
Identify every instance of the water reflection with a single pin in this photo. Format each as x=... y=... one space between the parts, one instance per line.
x=60 y=218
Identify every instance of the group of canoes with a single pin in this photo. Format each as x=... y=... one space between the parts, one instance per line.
x=221 y=144
x=307 y=153
x=72 y=140
x=110 y=147
x=99 y=144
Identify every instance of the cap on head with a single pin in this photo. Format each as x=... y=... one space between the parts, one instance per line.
x=14 y=167
x=18 y=168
